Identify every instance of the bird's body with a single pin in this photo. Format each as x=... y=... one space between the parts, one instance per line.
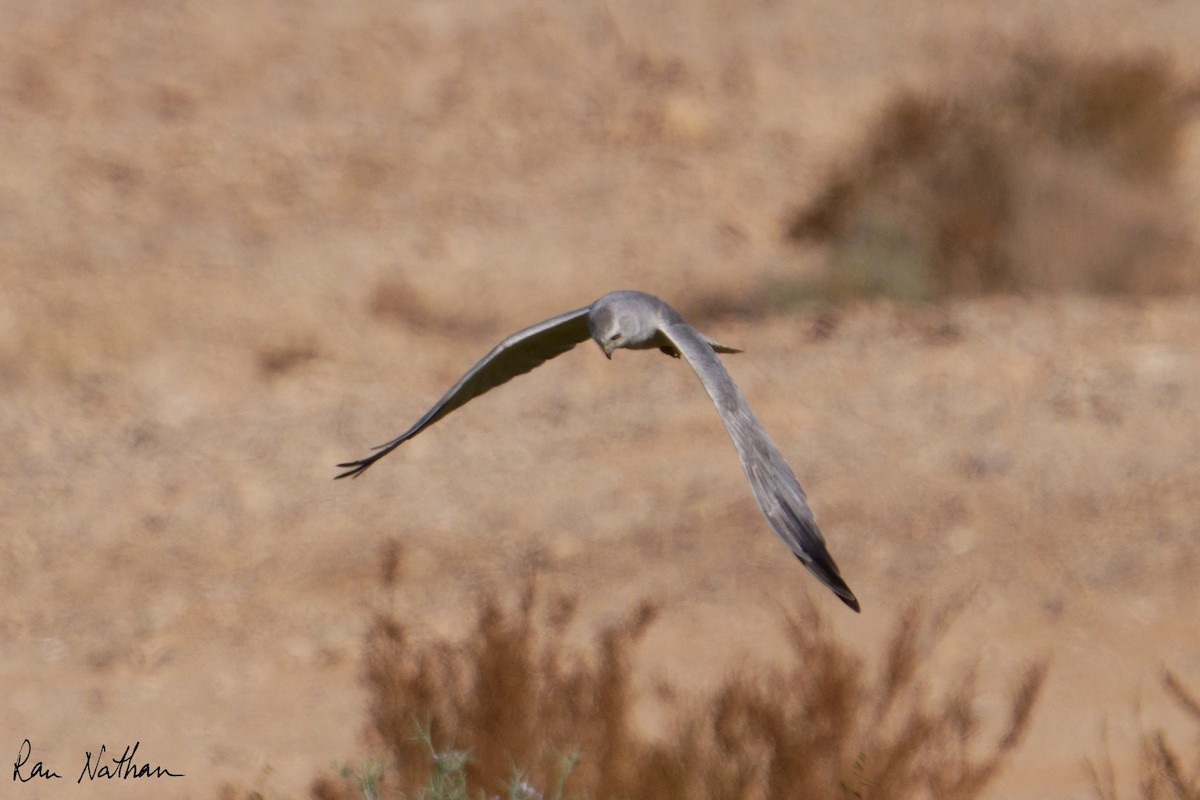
x=639 y=321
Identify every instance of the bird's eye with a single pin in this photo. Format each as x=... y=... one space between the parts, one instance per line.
x=616 y=337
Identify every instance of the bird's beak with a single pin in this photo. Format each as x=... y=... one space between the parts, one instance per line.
x=607 y=347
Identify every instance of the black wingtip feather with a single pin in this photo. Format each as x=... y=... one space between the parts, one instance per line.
x=356 y=468
x=816 y=557
x=830 y=576
x=852 y=601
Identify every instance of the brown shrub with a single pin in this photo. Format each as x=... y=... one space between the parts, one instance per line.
x=1164 y=773
x=827 y=725
x=1058 y=176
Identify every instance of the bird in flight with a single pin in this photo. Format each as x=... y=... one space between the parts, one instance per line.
x=640 y=321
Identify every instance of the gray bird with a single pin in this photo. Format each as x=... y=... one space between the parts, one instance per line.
x=639 y=321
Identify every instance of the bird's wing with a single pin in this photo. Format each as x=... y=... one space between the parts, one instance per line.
x=516 y=355
x=775 y=487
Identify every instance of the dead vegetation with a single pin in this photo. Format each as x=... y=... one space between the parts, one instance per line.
x=1057 y=176
x=828 y=724
x=1163 y=773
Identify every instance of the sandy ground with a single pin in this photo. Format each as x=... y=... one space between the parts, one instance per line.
x=241 y=244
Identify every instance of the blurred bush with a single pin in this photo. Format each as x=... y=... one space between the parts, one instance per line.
x=513 y=696
x=1052 y=173
x=1163 y=773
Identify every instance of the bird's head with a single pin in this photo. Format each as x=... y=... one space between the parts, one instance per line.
x=615 y=324
x=610 y=341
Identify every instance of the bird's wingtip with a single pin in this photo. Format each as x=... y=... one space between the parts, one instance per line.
x=835 y=582
x=356 y=468
x=814 y=555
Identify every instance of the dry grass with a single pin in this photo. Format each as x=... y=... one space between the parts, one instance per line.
x=513 y=696
x=1163 y=773
x=1060 y=175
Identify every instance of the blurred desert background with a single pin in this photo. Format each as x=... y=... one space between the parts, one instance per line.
x=240 y=243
